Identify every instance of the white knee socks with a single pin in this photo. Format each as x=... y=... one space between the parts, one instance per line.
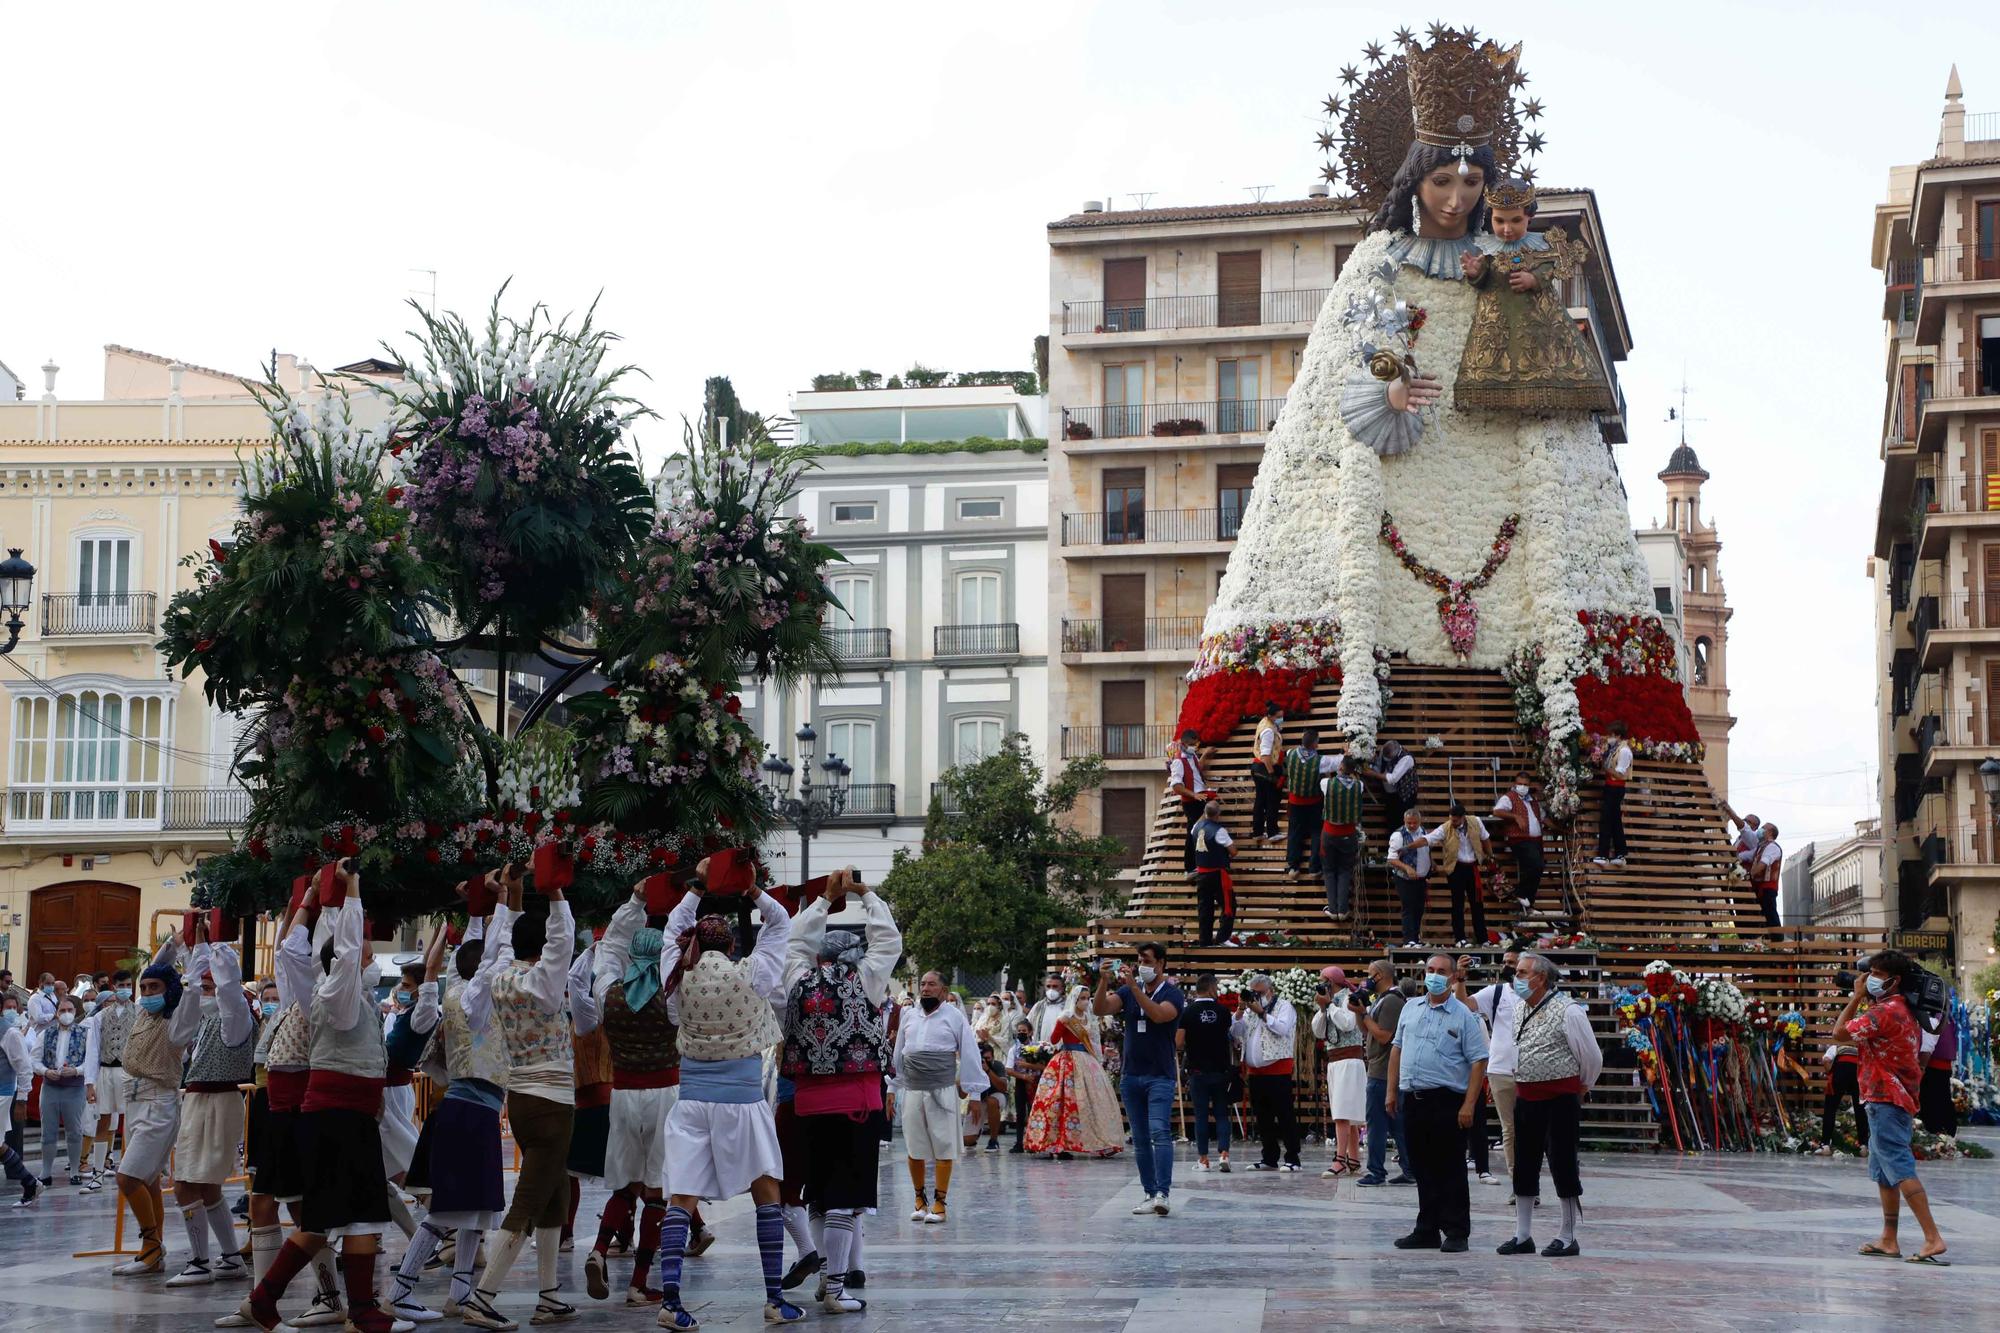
x=195 y=1218
x=548 y=1249
x=223 y=1224
x=842 y=1226
x=328 y=1273
x=800 y=1230
x=463 y=1260
x=1524 y=1218
x=499 y=1260
x=1572 y=1209
x=264 y=1243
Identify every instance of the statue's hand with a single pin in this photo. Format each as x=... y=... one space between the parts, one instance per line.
x=1521 y=282
x=1415 y=394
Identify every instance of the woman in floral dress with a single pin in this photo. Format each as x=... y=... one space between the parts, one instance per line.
x=1075 y=1110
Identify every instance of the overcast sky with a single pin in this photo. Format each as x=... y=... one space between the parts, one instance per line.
x=769 y=191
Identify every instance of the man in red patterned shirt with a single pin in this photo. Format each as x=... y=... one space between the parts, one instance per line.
x=1891 y=1072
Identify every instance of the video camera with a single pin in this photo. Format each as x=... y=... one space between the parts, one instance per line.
x=1923 y=990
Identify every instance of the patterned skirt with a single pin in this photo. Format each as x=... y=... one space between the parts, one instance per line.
x=1075 y=1110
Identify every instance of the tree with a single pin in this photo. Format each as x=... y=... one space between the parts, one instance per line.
x=999 y=867
x=719 y=403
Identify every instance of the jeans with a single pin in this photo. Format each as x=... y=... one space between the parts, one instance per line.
x=1024 y=1101
x=1302 y=838
x=1336 y=856
x=1381 y=1126
x=1437 y=1152
x=1611 y=823
x=1277 y=1115
x=1264 y=805
x=1528 y=868
x=62 y=1111
x=1209 y=1095
x=1149 y=1105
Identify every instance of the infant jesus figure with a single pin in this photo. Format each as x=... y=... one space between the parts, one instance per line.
x=1524 y=353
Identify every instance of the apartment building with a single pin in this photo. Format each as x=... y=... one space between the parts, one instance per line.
x=1175 y=334
x=935 y=499
x=1936 y=565
x=1845 y=882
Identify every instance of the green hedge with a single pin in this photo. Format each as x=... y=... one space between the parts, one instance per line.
x=977 y=444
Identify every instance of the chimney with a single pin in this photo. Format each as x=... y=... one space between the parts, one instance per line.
x=305 y=376
x=174 y=373
x=49 y=369
x=1951 y=125
x=1093 y=205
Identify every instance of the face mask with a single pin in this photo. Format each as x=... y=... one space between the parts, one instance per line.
x=208 y=1006
x=1146 y=975
x=1024 y=1037
x=123 y=992
x=48 y=990
x=1053 y=993
x=931 y=1003
x=1507 y=972
x=1520 y=789
x=1520 y=988
x=152 y=1004
x=8 y=1020
x=1877 y=987
x=268 y=1008
x=1436 y=982
x=67 y=1020
x=404 y=997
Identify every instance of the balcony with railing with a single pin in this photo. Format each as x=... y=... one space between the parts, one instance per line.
x=1176 y=634
x=860 y=645
x=1130 y=527
x=996 y=640
x=945 y=799
x=1953 y=387
x=1917 y=901
x=105 y=808
x=1899 y=286
x=1954 y=272
x=1226 y=416
x=1166 y=314
x=1963 y=852
x=868 y=803
x=84 y=613
x=1117 y=740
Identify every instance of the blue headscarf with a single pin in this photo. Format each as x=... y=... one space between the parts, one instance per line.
x=167 y=975
x=642 y=973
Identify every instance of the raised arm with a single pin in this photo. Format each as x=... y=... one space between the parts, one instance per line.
x=885 y=947
x=767 y=961
x=582 y=1003
x=478 y=999
x=341 y=989
x=614 y=951
x=808 y=933
x=185 y=1021
x=295 y=966
x=237 y=1024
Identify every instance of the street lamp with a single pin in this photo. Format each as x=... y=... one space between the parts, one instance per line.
x=814 y=806
x=17 y=578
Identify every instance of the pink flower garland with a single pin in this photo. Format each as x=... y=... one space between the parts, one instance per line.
x=1456 y=611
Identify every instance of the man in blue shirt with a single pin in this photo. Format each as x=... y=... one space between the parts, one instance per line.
x=1152 y=1005
x=1437 y=1069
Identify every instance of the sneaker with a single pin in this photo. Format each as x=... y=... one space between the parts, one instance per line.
x=1201 y=1164
x=806 y=1266
x=1161 y=1207
x=1017 y=1148
x=325 y=1309
x=1618 y=860
x=1515 y=1245
x=922 y=1210
x=1263 y=1166
x=699 y=1242
x=1224 y=1168
x=782 y=1312
x=1146 y=1207
x=1372 y=1180
x=842 y=1304
x=1488 y=1178
x=1600 y=861
x=196 y=1274
x=935 y=1217
x=415 y=1311
x=643 y=1296
x=993 y=1145
x=477 y=1310
x=673 y=1315
x=551 y=1308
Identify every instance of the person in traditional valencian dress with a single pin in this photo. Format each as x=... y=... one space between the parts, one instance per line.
x=1075 y=1110
x=153 y=1055
x=1391 y=524
x=1524 y=353
x=220 y=1061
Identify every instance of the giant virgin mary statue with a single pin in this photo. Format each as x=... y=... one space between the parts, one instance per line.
x=1390 y=520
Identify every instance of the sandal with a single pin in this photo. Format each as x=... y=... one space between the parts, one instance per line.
x=1934 y=1260
x=1873 y=1251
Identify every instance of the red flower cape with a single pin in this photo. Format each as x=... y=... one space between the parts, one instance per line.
x=1217 y=702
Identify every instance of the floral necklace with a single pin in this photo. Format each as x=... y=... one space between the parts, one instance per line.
x=1456 y=611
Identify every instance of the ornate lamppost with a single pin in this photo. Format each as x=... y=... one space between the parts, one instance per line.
x=815 y=805
x=17 y=579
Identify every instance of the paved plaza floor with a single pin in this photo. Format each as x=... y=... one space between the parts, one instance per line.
x=1745 y=1242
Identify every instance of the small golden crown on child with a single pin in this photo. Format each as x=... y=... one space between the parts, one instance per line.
x=1510 y=194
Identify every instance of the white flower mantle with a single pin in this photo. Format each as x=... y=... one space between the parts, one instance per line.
x=1309 y=547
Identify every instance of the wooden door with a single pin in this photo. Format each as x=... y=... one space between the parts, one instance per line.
x=1992 y=701
x=1232 y=497
x=1124 y=505
x=1987 y=613
x=1125 y=820
x=1239 y=285
x=1124 y=710
x=82 y=927
x=1124 y=600
x=1986 y=253
x=1124 y=295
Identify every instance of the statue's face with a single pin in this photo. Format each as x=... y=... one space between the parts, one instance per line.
x=1510 y=224
x=1447 y=198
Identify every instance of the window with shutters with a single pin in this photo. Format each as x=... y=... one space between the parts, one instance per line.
x=1124 y=710
x=1124 y=600
x=89 y=756
x=1239 y=279
x=1125 y=820
x=1232 y=497
x=1124 y=295
x=1124 y=399
x=1988 y=614
x=853 y=739
x=1989 y=354
x=1124 y=505
x=976 y=738
x=1237 y=383
x=1989 y=478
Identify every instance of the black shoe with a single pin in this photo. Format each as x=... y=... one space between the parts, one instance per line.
x=241 y=1208
x=1404 y=1179
x=807 y=1265
x=1372 y=1180
x=857 y=1278
x=1557 y=1249
x=1453 y=1245
x=1263 y=1166
x=1017 y=1148
x=1514 y=1246
x=1065 y=1157
x=1418 y=1241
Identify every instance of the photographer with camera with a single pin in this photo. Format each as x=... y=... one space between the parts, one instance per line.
x=1266 y=1026
x=1337 y=1022
x=1891 y=1071
x=1378 y=1025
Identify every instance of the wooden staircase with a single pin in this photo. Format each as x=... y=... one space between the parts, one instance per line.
x=1679 y=897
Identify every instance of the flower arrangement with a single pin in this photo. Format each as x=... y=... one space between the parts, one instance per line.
x=1305 y=645
x=1262 y=939
x=1294 y=984
x=1456 y=610
x=1376 y=313
x=1216 y=703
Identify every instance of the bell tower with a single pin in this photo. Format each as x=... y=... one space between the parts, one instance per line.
x=1705 y=611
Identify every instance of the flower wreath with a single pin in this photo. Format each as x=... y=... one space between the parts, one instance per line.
x=1456 y=611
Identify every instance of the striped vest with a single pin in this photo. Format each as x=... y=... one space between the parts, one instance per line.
x=1302 y=772
x=1343 y=801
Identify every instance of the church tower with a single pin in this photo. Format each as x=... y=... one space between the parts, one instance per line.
x=1705 y=612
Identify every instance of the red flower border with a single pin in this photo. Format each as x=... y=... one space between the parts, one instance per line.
x=1216 y=703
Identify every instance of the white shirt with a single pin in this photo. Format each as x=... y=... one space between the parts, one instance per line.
x=341 y=988
x=1419 y=845
x=582 y=1002
x=942 y=1030
x=1505 y=806
x=1747 y=841
x=1398 y=769
x=1267 y=739
x=881 y=938
x=1336 y=1017
x=1620 y=763
x=1500 y=1007
x=1465 y=845
x=14 y=1045
x=1184 y=771
x=1282 y=1021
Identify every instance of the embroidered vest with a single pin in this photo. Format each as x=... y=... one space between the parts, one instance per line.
x=1542 y=1053
x=290 y=1039
x=593 y=1057
x=534 y=1036
x=830 y=1027
x=1336 y=1040
x=356 y=1051
x=644 y=1041
x=1343 y=801
x=1302 y=773
x=53 y=1054
x=1518 y=809
x=114 y=1026
x=722 y=1018
x=1208 y=853
x=467 y=1053
x=214 y=1061
x=148 y=1053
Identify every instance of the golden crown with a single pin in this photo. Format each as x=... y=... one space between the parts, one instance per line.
x=1456 y=92
x=1506 y=193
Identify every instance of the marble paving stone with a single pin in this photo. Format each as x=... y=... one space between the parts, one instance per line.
x=1738 y=1245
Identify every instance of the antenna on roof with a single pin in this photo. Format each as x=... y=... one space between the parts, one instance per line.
x=1680 y=413
x=1142 y=198
x=1257 y=192
x=434 y=286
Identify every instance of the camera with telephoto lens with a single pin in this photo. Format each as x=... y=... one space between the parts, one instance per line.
x=1845 y=978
